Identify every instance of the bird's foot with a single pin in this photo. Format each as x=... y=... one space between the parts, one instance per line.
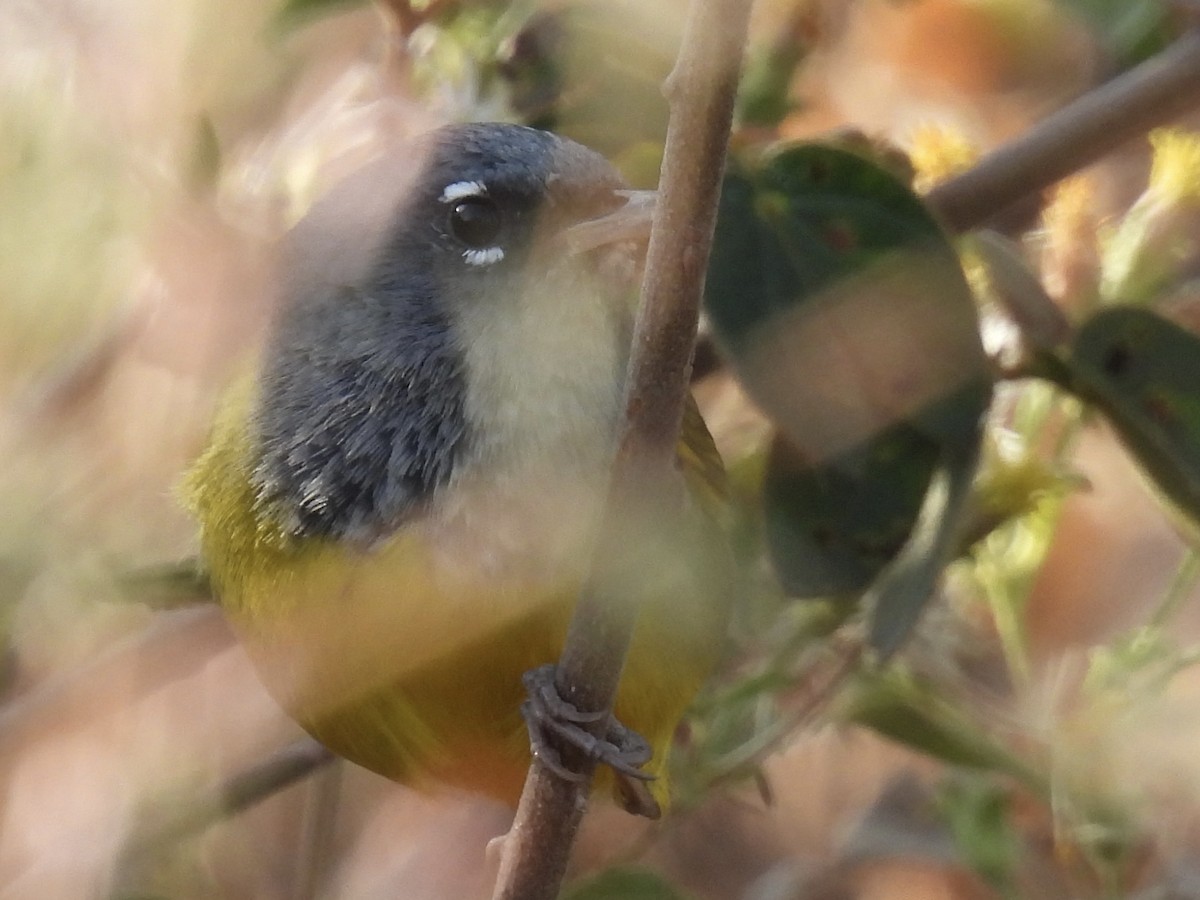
x=548 y=716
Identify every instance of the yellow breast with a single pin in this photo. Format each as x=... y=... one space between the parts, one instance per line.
x=406 y=657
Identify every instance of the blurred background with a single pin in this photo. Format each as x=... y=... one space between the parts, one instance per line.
x=152 y=154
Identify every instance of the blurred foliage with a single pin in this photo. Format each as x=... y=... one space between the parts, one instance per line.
x=624 y=884
x=847 y=317
x=855 y=490
x=978 y=812
x=1013 y=287
x=765 y=93
x=205 y=167
x=737 y=722
x=1016 y=506
x=295 y=13
x=1157 y=241
x=67 y=195
x=938 y=153
x=1131 y=30
x=909 y=710
x=833 y=527
x=588 y=69
x=1143 y=372
x=835 y=523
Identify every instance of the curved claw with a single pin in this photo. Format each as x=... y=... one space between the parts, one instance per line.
x=546 y=713
x=539 y=685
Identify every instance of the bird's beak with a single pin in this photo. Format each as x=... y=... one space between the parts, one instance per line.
x=629 y=222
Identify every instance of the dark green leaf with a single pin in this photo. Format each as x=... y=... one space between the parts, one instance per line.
x=897 y=597
x=1143 y=372
x=846 y=314
x=832 y=528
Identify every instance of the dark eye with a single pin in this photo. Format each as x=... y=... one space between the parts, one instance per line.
x=475 y=221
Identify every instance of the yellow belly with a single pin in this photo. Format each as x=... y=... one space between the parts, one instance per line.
x=410 y=664
x=416 y=674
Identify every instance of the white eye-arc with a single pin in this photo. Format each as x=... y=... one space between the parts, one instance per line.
x=483 y=257
x=460 y=189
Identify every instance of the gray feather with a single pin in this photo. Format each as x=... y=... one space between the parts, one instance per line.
x=361 y=410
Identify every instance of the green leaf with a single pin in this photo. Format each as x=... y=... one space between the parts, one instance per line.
x=899 y=707
x=832 y=528
x=845 y=312
x=1143 y=372
x=977 y=811
x=764 y=96
x=897 y=597
x=624 y=884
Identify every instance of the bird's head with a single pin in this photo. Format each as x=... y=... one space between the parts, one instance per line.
x=448 y=313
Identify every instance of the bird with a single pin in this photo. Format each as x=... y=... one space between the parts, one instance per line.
x=400 y=493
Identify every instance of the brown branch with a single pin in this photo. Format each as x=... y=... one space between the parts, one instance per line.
x=1153 y=93
x=701 y=92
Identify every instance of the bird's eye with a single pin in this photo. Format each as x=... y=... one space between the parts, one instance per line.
x=475 y=221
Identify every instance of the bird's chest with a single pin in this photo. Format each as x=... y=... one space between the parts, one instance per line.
x=544 y=386
x=544 y=373
x=471 y=587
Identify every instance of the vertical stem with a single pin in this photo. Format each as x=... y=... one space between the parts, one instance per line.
x=701 y=91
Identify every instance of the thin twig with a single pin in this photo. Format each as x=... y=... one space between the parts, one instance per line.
x=700 y=91
x=250 y=787
x=1153 y=93
x=316 y=849
x=176 y=821
x=175 y=646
